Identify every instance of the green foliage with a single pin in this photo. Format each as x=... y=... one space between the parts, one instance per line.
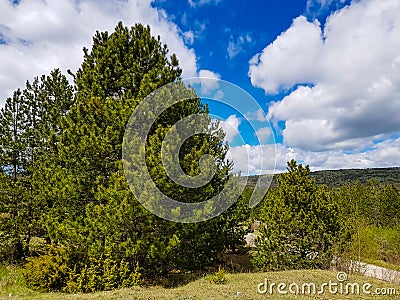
x=387 y=207
x=67 y=187
x=388 y=239
x=30 y=123
x=103 y=273
x=47 y=272
x=61 y=271
x=371 y=244
x=129 y=63
x=12 y=244
x=218 y=277
x=62 y=183
x=370 y=215
x=301 y=224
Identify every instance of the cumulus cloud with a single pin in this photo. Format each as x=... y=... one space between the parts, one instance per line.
x=290 y=59
x=383 y=154
x=258 y=115
x=253 y=160
x=349 y=77
x=263 y=134
x=267 y=159
x=42 y=35
x=208 y=82
x=231 y=127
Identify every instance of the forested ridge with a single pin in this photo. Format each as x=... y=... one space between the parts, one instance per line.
x=335 y=178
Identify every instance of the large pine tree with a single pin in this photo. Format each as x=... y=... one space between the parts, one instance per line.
x=92 y=212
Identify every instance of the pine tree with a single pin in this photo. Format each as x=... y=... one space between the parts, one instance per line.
x=116 y=74
x=13 y=129
x=13 y=186
x=389 y=200
x=29 y=125
x=300 y=224
x=93 y=210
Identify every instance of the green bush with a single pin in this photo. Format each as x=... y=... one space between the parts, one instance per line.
x=218 y=277
x=58 y=272
x=376 y=243
x=47 y=272
x=101 y=275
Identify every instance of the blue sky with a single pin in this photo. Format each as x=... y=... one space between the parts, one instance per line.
x=326 y=73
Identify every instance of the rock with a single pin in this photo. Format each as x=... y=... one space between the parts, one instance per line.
x=250 y=239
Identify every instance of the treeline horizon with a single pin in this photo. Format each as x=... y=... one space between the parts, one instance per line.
x=336 y=177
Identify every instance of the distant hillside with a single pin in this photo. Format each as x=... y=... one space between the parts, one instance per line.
x=334 y=178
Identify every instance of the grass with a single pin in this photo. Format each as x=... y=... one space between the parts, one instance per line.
x=238 y=286
x=12 y=283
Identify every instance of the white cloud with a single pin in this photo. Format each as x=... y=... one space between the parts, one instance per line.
x=261 y=159
x=318 y=3
x=235 y=47
x=197 y=3
x=263 y=134
x=258 y=115
x=199 y=29
x=292 y=58
x=353 y=68
x=42 y=35
x=253 y=160
x=189 y=37
x=219 y=95
x=383 y=154
x=208 y=82
x=231 y=127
